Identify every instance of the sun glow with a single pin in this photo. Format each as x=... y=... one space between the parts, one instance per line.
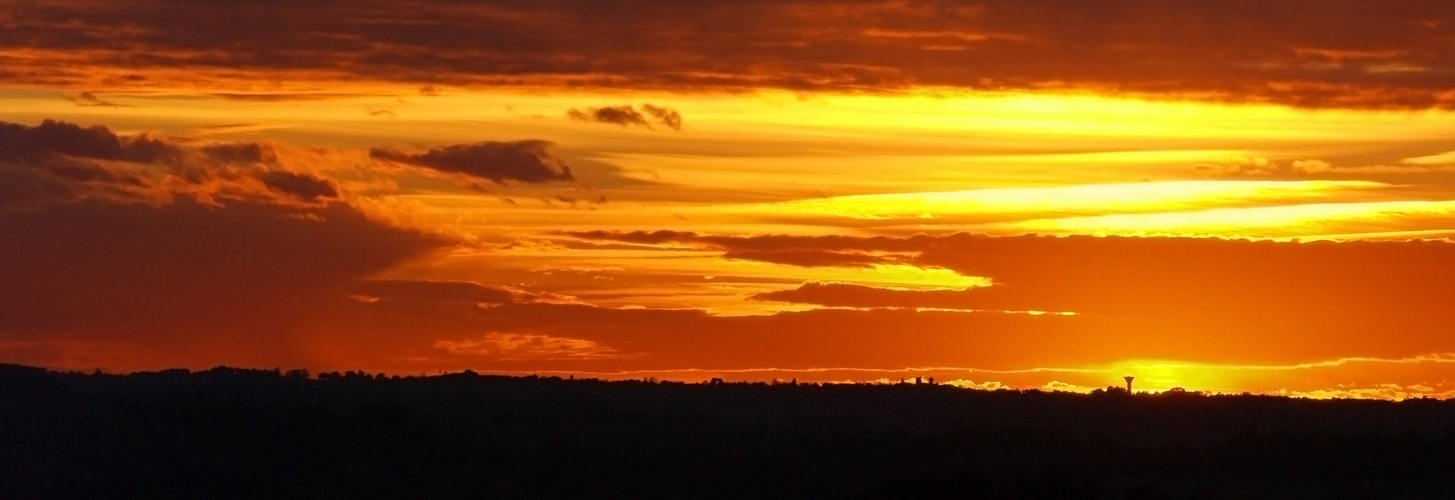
x=1162 y=375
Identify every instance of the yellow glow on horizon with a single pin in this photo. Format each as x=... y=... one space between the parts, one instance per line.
x=1160 y=375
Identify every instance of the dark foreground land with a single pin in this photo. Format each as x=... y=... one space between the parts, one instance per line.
x=227 y=433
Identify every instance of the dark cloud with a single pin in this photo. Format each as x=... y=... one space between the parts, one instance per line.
x=288 y=96
x=626 y=116
x=34 y=184
x=299 y=185
x=1316 y=53
x=89 y=99
x=187 y=277
x=522 y=161
x=182 y=256
x=617 y=115
x=244 y=153
x=810 y=258
x=56 y=160
x=21 y=142
x=435 y=291
x=762 y=243
x=666 y=116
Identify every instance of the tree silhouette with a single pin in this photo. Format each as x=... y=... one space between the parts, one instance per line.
x=270 y=433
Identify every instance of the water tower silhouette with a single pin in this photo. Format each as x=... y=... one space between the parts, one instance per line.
x=1129 y=378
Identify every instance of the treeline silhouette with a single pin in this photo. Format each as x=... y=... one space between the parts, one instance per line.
x=242 y=433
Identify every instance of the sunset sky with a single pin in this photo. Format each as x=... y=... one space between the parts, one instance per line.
x=1227 y=196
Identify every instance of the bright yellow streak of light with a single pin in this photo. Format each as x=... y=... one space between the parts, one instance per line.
x=673 y=278
x=848 y=171
x=1092 y=116
x=891 y=276
x=1121 y=123
x=1159 y=196
x=1445 y=158
x=1293 y=220
x=710 y=263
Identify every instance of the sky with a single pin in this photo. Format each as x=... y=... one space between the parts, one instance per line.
x=1234 y=196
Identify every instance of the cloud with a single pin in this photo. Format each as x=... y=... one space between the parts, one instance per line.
x=983 y=386
x=288 y=96
x=851 y=295
x=89 y=99
x=666 y=116
x=762 y=243
x=169 y=254
x=1312 y=53
x=435 y=291
x=525 y=347
x=810 y=258
x=301 y=186
x=1405 y=174
x=522 y=161
x=1263 y=167
x=616 y=115
x=35 y=184
x=245 y=153
x=627 y=116
x=21 y=142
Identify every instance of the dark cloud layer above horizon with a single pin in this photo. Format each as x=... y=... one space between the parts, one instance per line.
x=55 y=162
x=50 y=137
x=196 y=252
x=1316 y=53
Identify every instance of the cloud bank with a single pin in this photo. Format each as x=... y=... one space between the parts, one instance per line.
x=1312 y=53
x=146 y=243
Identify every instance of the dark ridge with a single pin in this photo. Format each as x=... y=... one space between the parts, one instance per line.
x=243 y=433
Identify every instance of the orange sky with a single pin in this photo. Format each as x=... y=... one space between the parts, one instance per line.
x=1238 y=196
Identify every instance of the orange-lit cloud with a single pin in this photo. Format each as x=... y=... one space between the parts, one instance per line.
x=1311 y=53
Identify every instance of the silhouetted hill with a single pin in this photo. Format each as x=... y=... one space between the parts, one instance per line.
x=226 y=432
